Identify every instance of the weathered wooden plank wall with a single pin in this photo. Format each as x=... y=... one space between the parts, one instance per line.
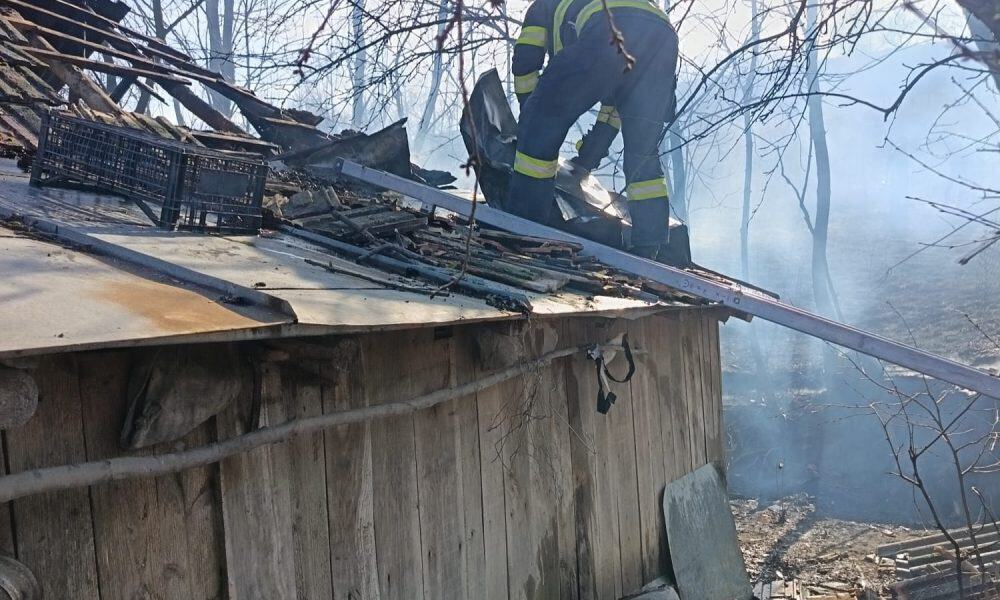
x=523 y=491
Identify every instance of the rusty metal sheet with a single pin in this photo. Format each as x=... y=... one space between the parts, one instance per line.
x=55 y=298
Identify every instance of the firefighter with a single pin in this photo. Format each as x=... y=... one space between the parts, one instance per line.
x=585 y=68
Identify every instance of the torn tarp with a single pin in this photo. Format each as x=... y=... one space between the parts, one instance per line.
x=489 y=130
x=585 y=207
x=386 y=150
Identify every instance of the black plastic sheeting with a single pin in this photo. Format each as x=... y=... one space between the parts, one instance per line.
x=489 y=130
x=387 y=150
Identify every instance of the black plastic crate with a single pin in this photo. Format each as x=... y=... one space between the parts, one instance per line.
x=193 y=187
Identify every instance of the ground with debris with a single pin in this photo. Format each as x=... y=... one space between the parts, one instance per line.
x=786 y=540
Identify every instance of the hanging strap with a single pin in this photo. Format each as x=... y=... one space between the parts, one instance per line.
x=605 y=397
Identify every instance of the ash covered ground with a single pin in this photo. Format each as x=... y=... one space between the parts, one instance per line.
x=785 y=540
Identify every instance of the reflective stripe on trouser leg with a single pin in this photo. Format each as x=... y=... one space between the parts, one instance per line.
x=535 y=167
x=525 y=84
x=647 y=190
x=532 y=187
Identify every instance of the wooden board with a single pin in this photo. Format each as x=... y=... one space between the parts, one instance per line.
x=492 y=473
x=256 y=508
x=622 y=469
x=581 y=386
x=693 y=366
x=714 y=430
x=301 y=397
x=652 y=449
x=140 y=525
x=672 y=386
x=469 y=464
x=610 y=581
x=400 y=365
x=442 y=515
x=349 y=480
x=55 y=535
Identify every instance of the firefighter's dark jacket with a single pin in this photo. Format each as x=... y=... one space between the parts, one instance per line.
x=548 y=27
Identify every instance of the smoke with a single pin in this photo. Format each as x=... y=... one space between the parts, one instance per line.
x=803 y=424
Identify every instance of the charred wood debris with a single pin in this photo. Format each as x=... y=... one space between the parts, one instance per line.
x=49 y=50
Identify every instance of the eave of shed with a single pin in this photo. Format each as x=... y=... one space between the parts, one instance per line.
x=137 y=285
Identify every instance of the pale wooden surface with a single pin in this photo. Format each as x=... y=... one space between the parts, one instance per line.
x=56 y=299
x=520 y=491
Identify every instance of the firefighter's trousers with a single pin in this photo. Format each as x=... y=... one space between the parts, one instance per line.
x=580 y=76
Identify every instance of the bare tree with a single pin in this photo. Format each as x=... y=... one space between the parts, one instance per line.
x=220 y=25
x=359 y=69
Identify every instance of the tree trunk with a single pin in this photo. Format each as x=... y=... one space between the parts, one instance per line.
x=677 y=180
x=358 y=113
x=220 y=48
x=748 y=91
x=437 y=70
x=160 y=31
x=822 y=289
x=678 y=174
x=748 y=153
x=986 y=13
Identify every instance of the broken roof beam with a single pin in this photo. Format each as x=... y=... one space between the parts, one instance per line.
x=177 y=88
x=170 y=80
x=297 y=131
x=76 y=80
x=201 y=109
x=86 y=19
x=49 y=55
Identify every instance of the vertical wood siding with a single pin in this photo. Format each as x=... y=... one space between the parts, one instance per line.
x=522 y=491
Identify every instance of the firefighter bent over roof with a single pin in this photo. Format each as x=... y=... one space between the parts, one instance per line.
x=585 y=68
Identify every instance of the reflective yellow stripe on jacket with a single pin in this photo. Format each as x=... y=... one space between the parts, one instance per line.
x=598 y=5
x=559 y=16
x=532 y=36
x=535 y=167
x=525 y=84
x=645 y=190
x=609 y=115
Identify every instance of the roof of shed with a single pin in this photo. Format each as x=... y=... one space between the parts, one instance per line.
x=112 y=280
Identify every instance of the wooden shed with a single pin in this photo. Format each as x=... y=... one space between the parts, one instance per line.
x=518 y=489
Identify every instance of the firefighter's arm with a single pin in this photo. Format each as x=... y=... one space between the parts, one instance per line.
x=594 y=146
x=529 y=51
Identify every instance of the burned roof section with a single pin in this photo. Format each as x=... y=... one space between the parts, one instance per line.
x=337 y=256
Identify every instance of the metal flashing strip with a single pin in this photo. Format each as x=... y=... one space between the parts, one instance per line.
x=230 y=291
x=734 y=296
